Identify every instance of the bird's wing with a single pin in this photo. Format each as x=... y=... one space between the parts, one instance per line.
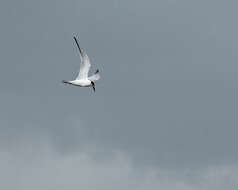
x=84 y=64
x=95 y=77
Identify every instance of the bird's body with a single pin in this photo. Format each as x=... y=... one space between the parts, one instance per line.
x=80 y=82
x=82 y=79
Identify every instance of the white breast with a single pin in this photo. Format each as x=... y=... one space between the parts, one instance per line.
x=81 y=82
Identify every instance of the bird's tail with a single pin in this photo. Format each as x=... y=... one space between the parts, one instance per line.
x=65 y=81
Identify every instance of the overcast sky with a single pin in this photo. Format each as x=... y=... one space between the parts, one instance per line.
x=164 y=115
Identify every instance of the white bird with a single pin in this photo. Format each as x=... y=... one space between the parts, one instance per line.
x=82 y=79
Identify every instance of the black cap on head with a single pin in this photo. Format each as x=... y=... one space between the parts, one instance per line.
x=93 y=85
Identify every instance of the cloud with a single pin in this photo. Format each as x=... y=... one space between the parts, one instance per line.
x=39 y=166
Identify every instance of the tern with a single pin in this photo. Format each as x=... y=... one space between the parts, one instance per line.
x=82 y=79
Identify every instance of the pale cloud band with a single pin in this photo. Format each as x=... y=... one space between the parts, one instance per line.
x=44 y=168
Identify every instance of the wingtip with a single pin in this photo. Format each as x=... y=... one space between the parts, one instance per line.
x=77 y=42
x=97 y=71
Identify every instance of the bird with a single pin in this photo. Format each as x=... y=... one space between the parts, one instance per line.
x=83 y=80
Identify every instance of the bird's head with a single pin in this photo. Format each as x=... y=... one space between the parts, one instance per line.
x=92 y=83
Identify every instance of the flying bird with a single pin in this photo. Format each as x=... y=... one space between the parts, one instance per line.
x=82 y=79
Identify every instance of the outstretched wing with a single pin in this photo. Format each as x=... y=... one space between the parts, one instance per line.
x=84 y=64
x=94 y=77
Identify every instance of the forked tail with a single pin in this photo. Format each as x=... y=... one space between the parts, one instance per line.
x=65 y=81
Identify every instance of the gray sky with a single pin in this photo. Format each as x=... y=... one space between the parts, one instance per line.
x=164 y=114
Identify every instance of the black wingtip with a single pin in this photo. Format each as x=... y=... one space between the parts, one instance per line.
x=97 y=71
x=77 y=43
